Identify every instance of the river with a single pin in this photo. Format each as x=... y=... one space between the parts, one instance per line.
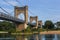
x=30 y=37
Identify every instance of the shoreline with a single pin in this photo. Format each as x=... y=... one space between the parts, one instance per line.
x=44 y=32
x=50 y=32
x=3 y=32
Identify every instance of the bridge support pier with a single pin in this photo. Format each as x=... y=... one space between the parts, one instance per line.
x=20 y=27
x=23 y=10
x=36 y=19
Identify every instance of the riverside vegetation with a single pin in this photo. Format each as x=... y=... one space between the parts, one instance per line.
x=10 y=27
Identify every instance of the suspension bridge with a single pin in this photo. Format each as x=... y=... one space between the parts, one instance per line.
x=20 y=24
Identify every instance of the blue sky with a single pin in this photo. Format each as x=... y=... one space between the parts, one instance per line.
x=44 y=9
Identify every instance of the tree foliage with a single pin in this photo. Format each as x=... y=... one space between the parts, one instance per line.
x=6 y=26
x=49 y=24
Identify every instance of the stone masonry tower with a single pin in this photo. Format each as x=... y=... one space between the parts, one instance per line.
x=19 y=10
x=34 y=18
x=40 y=23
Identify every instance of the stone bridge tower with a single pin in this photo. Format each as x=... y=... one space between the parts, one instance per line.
x=19 y=10
x=40 y=23
x=34 y=18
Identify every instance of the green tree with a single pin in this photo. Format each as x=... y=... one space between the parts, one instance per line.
x=49 y=24
x=6 y=26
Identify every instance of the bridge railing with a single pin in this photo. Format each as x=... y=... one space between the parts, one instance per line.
x=3 y=15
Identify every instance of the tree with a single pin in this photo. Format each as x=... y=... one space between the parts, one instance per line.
x=49 y=24
x=6 y=26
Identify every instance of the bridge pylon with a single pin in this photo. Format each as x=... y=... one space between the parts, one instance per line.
x=19 y=10
x=36 y=19
x=40 y=23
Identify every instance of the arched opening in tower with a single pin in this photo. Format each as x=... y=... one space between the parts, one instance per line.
x=21 y=16
x=34 y=22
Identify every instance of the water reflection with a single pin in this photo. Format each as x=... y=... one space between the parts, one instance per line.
x=21 y=38
x=33 y=37
x=49 y=37
x=30 y=37
x=58 y=37
x=39 y=37
x=7 y=37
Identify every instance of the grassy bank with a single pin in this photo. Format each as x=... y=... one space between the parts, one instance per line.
x=3 y=32
x=34 y=31
x=28 y=32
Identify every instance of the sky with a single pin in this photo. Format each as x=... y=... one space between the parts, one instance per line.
x=44 y=9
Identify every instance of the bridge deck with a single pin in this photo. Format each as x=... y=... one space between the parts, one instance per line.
x=4 y=16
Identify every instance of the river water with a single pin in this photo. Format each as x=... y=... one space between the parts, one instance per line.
x=30 y=37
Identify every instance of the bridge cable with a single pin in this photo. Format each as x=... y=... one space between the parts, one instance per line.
x=28 y=9
x=13 y=6
x=8 y=3
x=31 y=12
x=4 y=10
x=20 y=3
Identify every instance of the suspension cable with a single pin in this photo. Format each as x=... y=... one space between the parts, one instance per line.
x=28 y=9
x=8 y=3
x=19 y=2
x=4 y=10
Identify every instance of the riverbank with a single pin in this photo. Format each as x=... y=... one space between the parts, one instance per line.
x=45 y=32
x=50 y=32
x=29 y=33
x=26 y=33
x=3 y=32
